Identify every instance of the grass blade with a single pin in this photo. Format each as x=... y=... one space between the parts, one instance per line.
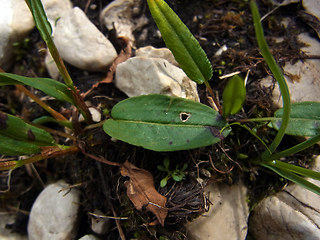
x=293 y=177
x=49 y=86
x=278 y=75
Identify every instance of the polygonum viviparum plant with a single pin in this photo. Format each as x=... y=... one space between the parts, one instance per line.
x=162 y=123
x=158 y=122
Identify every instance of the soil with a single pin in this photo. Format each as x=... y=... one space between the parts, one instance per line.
x=214 y=23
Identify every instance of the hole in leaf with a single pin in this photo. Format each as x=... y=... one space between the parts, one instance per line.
x=184 y=116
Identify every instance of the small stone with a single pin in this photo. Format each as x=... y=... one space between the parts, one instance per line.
x=54 y=213
x=152 y=52
x=302 y=77
x=15 y=23
x=122 y=15
x=89 y=237
x=227 y=218
x=51 y=66
x=99 y=224
x=56 y=9
x=96 y=115
x=312 y=7
x=81 y=44
x=141 y=75
x=293 y=213
x=6 y=234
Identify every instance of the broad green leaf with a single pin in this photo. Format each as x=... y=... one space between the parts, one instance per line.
x=163 y=123
x=49 y=86
x=304 y=119
x=185 y=48
x=233 y=96
x=17 y=129
x=13 y=147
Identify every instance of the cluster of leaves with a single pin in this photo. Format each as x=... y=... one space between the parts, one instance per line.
x=159 y=122
x=177 y=174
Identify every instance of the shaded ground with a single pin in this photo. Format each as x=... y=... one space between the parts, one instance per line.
x=215 y=23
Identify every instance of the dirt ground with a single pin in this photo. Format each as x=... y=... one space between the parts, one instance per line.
x=214 y=23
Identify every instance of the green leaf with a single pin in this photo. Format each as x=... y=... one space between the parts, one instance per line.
x=49 y=86
x=45 y=30
x=304 y=119
x=292 y=177
x=233 y=96
x=278 y=75
x=177 y=178
x=12 y=147
x=295 y=169
x=185 y=48
x=17 y=129
x=40 y=19
x=163 y=182
x=163 y=123
x=161 y=168
x=166 y=163
x=184 y=167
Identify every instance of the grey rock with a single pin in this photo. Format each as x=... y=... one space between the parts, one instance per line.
x=6 y=234
x=123 y=15
x=81 y=44
x=15 y=23
x=89 y=237
x=141 y=75
x=227 y=218
x=56 y=9
x=54 y=213
x=99 y=223
x=51 y=66
x=291 y=214
x=302 y=77
x=152 y=52
x=312 y=7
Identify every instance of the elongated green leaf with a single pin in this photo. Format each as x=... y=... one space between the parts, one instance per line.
x=40 y=19
x=278 y=75
x=304 y=119
x=185 y=48
x=295 y=169
x=233 y=96
x=49 y=86
x=13 y=147
x=45 y=30
x=163 y=123
x=293 y=177
x=17 y=129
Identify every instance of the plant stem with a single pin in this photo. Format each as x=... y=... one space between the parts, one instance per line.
x=52 y=151
x=54 y=113
x=215 y=100
x=278 y=75
x=45 y=30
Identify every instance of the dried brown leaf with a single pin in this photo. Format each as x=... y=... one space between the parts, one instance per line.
x=142 y=193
